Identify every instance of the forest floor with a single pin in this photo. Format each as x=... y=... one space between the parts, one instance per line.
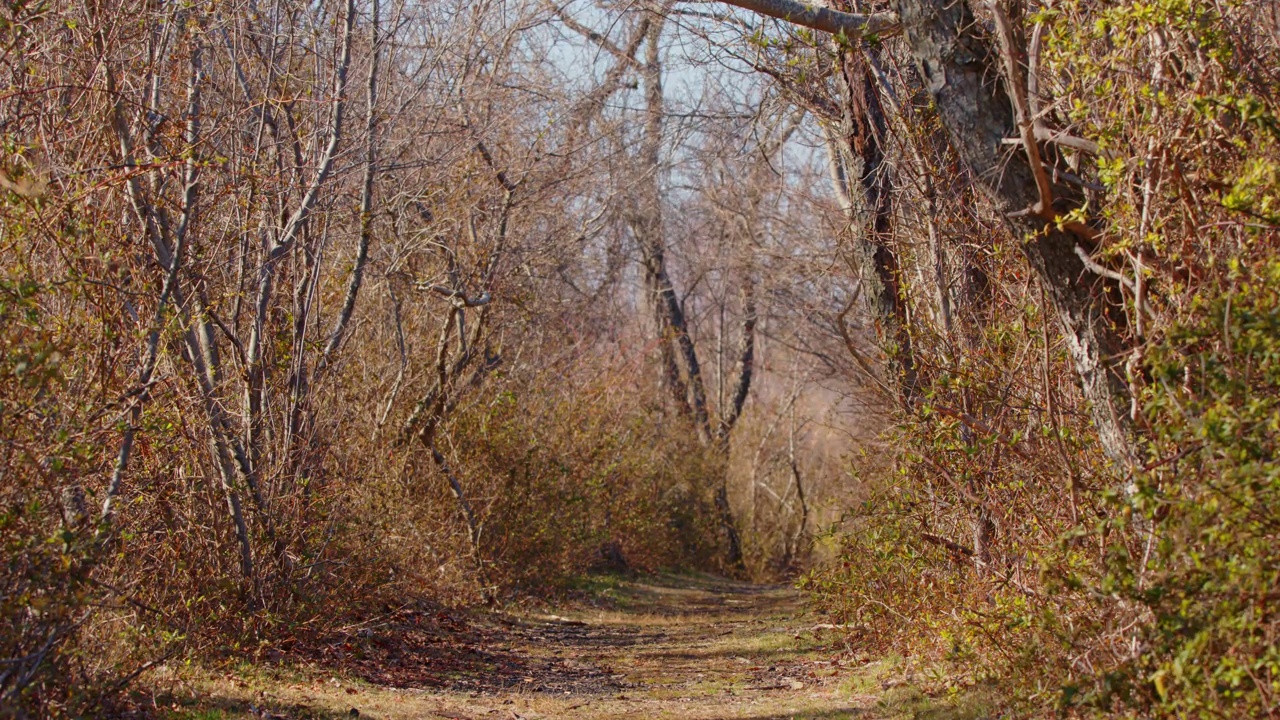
x=656 y=647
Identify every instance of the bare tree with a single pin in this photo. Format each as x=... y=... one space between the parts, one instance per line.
x=954 y=60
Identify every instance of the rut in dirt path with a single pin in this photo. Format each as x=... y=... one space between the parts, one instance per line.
x=668 y=646
x=677 y=639
x=693 y=647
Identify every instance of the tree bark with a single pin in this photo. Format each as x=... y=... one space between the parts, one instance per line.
x=957 y=64
x=821 y=18
x=646 y=222
x=866 y=180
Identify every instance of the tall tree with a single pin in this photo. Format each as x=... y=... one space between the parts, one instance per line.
x=865 y=187
x=643 y=212
x=956 y=58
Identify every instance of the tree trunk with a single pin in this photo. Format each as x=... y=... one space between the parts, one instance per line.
x=689 y=392
x=958 y=65
x=959 y=62
x=867 y=188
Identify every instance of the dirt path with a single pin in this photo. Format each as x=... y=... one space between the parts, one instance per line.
x=667 y=647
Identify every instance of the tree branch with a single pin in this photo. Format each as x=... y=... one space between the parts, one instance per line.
x=627 y=56
x=366 y=192
x=823 y=18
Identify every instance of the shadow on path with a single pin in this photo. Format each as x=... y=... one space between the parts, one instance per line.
x=662 y=647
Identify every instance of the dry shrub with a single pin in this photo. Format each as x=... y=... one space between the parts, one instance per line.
x=1005 y=542
x=564 y=479
x=561 y=462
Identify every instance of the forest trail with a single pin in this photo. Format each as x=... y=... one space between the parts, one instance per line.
x=661 y=647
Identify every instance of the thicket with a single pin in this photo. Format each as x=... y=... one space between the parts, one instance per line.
x=308 y=313
x=312 y=309
x=1006 y=539
x=559 y=485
